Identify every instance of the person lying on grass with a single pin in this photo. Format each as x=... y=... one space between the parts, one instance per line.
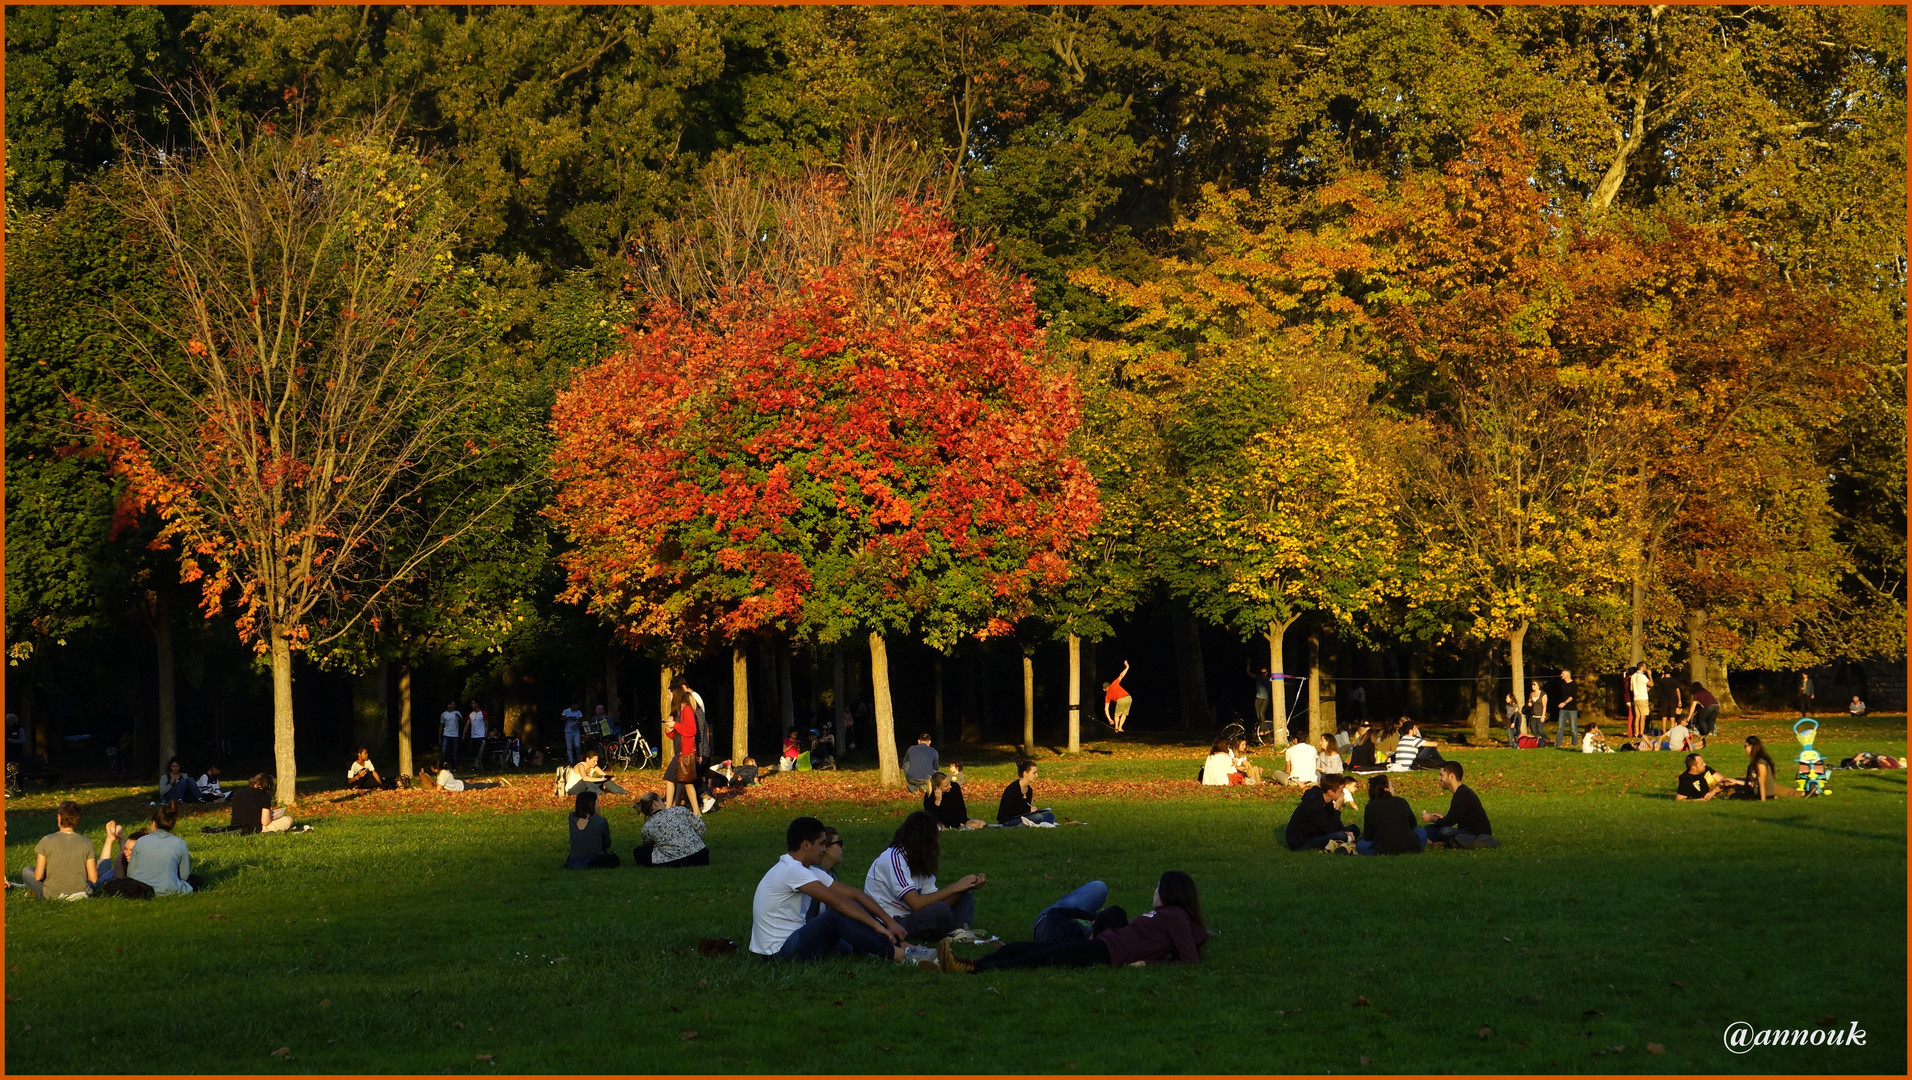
x=1465 y=824
x=114 y=879
x=1389 y=823
x=1697 y=783
x=253 y=812
x=1170 y=932
x=673 y=836
x=845 y=917
x=590 y=836
x=902 y=881
x=1316 y=823
x=362 y=775
x=64 y=864
x=160 y=859
x=1018 y=799
x=944 y=802
x=586 y=776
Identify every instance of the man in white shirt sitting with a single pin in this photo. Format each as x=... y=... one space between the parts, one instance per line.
x=1302 y=758
x=778 y=928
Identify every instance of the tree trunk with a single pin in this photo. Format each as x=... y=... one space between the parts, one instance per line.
x=31 y=719
x=1517 y=659
x=1188 y=666
x=404 y=718
x=1482 y=712
x=1416 y=694
x=937 y=666
x=1028 y=705
x=888 y=774
x=285 y=758
x=1632 y=140
x=1724 y=691
x=168 y=690
x=666 y=746
x=1695 y=653
x=1636 y=647
x=739 y=704
x=1314 y=686
x=1277 y=677
x=1091 y=686
x=972 y=703
x=371 y=723
x=786 y=698
x=1075 y=694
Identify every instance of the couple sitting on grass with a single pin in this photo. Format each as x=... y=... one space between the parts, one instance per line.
x=144 y=865
x=1316 y=823
x=673 y=836
x=801 y=911
x=1700 y=783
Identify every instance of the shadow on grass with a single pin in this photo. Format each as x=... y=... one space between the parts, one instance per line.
x=1798 y=821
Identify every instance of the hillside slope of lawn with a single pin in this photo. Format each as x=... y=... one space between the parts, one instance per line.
x=1615 y=931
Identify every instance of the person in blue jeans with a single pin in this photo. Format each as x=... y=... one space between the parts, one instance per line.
x=778 y=928
x=176 y=786
x=1566 y=703
x=1064 y=921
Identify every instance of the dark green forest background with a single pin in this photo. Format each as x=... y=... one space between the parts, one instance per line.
x=1071 y=138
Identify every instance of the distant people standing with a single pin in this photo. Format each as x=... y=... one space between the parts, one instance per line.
x=1671 y=700
x=681 y=728
x=476 y=729
x=1639 y=684
x=573 y=732
x=1537 y=710
x=1805 y=693
x=1566 y=703
x=450 y=723
x=1264 y=693
x=1116 y=701
x=920 y=763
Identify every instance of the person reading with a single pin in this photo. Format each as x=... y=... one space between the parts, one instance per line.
x=587 y=776
x=944 y=802
x=1017 y=806
x=1389 y=823
x=673 y=836
x=1465 y=824
x=1170 y=932
x=778 y=928
x=253 y=812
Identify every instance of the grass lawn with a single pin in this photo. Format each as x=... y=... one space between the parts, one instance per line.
x=1615 y=931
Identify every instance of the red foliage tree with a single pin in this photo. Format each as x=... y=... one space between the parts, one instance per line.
x=883 y=450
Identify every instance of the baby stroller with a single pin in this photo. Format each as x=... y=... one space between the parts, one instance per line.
x=1815 y=778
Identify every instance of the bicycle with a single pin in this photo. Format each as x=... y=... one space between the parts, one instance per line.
x=1261 y=734
x=634 y=747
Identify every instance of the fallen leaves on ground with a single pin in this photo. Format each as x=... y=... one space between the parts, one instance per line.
x=1655 y=1048
x=283 y=1052
x=1485 y=1032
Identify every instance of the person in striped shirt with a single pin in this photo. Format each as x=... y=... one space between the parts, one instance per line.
x=1413 y=752
x=902 y=881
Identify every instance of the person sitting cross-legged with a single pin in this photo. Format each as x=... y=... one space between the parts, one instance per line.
x=673 y=836
x=1171 y=931
x=778 y=928
x=586 y=776
x=160 y=859
x=1389 y=823
x=590 y=836
x=65 y=866
x=1465 y=824
x=362 y=775
x=902 y=881
x=944 y=802
x=1316 y=823
x=1017 y=806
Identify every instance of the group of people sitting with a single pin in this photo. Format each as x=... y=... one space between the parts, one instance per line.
x=178 y=786
x=150 y=862
x=1316 y=823
x=812 y=749
x=673 y=835
x=1699 y=783
x=1398 y=747
x=802 y=911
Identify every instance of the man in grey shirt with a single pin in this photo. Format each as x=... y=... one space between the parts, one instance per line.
x=919 y=763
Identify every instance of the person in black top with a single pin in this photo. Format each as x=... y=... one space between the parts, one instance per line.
x=1390 y=823
x=1316 y=823
x=1566 y=703
x=1018 y=799
x=1465 y=824
x=1702 y=712
x=1694 y=786
x=944 y=802
x=252 y=809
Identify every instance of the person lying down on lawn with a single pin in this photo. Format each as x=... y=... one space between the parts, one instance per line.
x=1171 y=931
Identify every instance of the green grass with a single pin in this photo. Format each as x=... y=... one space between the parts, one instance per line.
x=1612 y=917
